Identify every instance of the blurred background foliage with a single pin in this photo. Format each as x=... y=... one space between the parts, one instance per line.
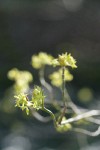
x=53 y=26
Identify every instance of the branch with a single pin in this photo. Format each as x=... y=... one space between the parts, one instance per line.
x=81 y=116
x=93 y=120
x=83 y=131
x=40 y=117
x=44 y=83
x=70 y=103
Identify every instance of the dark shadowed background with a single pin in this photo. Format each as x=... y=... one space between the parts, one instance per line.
x=54 y=26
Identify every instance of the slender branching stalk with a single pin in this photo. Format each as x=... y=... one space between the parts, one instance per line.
x=62 y=107
x=63 y=95
x=44 y=83
x=70 y=102
x=39 y=117
x=51 y=114
x=63 y=86
x=89 y=133
x=82 y=116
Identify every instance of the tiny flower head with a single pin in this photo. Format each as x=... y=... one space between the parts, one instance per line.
x=38 y=98
x=21 y=78
x=71 y=61
x=63 y=128
x=56 y=77
x=41 y=59
x=55 y=62
x=22 y=102
x=15 y=74
x=45 y=58
x=36 y=62
x=64 y=60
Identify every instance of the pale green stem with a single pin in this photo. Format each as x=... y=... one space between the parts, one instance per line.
x=49 y=112
x=83 y=131
x=70 y=103
x=79 y=110
x=40 y=117
x=63 y=86
x=85 y=115
x=63 y=95
x=44 y=83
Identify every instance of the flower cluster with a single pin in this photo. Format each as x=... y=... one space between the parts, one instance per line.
x=21 y=78
x=56 y=77
x=65 y=127
x=41 y=59
x=36 y=102
x=22 y=102
x=64 y=60
x=38 y=98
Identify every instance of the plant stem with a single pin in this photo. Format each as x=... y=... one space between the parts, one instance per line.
x=49 y=112
x=63 y=86
x=83 y=131
x=85 y=115
x=44 y=83
x=63 y=95
x=70 y=103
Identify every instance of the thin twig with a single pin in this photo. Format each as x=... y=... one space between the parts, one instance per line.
x=45 y=84
x=83 y=131
x=63 y=86
x=70 y=103
x=63 y=96
x=51 y=114
x=40 y=117
x=81 y=116
x=93 y=120
x=78 y=110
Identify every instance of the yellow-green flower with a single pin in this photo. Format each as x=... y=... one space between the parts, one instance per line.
x=56 y=77
x=15 y=74
x=22 y=102
x=21 y=78
x=71 y=61
x=64 y=60
x=41 y=59
x=38 y=98
x=55 y=62
x=36 y=102
x=65 y=127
